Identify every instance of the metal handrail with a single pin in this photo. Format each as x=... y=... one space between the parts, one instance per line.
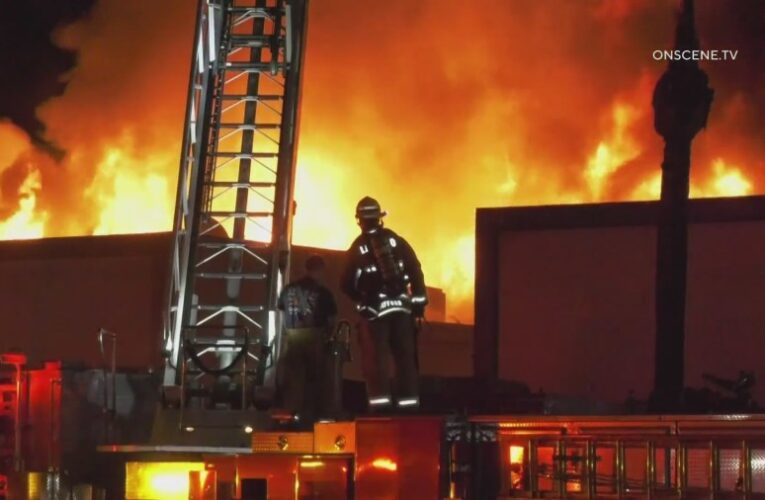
x=588 y=478
x=54 y=424
x=109 y=409
x=667 y=464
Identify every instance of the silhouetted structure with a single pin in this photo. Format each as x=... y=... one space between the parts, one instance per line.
x=681 y=103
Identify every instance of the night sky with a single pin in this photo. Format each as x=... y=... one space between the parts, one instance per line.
x=34 y=67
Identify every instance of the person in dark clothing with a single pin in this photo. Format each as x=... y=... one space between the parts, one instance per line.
x=385 y=279
x=309 y=311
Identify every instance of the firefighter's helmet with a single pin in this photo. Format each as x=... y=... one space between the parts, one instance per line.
x=369 y=208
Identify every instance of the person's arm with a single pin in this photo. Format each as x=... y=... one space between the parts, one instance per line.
x=349 y=278
x=331 y=312
x=413 y=268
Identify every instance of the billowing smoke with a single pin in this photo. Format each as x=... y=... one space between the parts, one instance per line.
x=435 y=107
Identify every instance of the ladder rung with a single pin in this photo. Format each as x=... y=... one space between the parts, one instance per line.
x=252 y=67
x=255 y=11
x=235 y=371
x=231 y=243
x=240 y=185
x=216 y=307
x=244 y=97
x=223 y=213
x=216 y=341
x=246 y=276
x=243 y=156
x=252 y=40
x=249 y=126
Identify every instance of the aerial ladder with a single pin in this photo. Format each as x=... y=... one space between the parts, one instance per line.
x=234 y=208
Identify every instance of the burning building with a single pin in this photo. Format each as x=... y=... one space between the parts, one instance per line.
x=566 y=296
x=529 y=112
x=457 y=130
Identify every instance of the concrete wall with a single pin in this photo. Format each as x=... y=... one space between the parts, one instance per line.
x=57 y=293
x=575 y=306
x=565 y=296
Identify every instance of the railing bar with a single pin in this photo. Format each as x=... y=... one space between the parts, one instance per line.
x=681 y=456
x=714 y=468
x=650 y=468
x=746 y=465
x=533 y=469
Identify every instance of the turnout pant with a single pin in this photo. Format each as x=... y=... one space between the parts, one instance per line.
x=306 y=372
x=394 y=333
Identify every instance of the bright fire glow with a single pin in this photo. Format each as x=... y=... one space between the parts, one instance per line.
x=612 y=154
x=312 y=464
x=165 y=480
x=385 y=464
x=516 y=454
x=727 y=180
x=26 y=222
x=129 y=201
x=490 y=123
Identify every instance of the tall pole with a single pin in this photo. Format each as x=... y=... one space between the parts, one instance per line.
x=681 y=103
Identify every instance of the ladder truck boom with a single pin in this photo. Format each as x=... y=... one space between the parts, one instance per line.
x=234 y=206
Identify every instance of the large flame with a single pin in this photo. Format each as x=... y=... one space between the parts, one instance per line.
x=460 y=106
x=26 y=222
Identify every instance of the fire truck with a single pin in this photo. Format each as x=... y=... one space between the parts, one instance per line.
x=214 y=433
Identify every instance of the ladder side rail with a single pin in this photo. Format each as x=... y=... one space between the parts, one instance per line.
x=281 y=230
x=203 y=92
x=180 y=215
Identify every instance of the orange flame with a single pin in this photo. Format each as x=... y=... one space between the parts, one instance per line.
x=27 y=222
x=528 y=113
x=126 y=201
x=612 y=154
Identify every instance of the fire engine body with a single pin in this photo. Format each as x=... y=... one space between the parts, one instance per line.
x=211 y=437
x=478 y=457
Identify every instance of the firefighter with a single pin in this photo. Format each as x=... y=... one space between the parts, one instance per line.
x=309 y=311
x=384 y=278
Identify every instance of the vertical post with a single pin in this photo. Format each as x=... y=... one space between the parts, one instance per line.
x=114 y=377
x=55 y=384
x=746 y=467
x=650 y=468
x=681 y=102
x=714 y=469
x=591 y=469
x=533 y=469
x=681 y=458
x=560 y=468
x=182 y=402
x=17 y=458
x=621 y=479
